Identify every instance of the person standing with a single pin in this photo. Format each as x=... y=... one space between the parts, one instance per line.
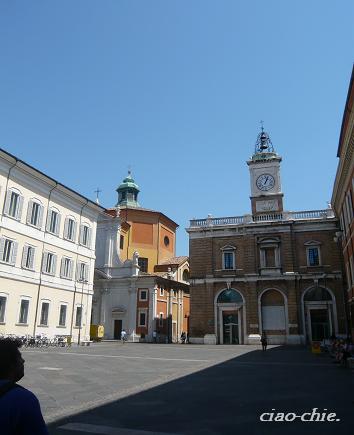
x=264 y=341
x=20 y=412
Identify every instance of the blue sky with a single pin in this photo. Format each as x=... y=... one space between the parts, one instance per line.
x=176 y=89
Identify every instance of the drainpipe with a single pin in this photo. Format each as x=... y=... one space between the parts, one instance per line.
x=75 y=286
x=41 y=267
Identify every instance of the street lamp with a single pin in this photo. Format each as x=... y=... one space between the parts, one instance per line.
x=83 y=281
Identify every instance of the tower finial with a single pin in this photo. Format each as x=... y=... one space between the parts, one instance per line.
x=263 y=143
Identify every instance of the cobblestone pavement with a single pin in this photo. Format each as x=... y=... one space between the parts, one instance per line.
x=144 y=389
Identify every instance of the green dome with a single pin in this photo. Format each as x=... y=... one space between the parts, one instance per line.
x=128 y=182
x=128 y=192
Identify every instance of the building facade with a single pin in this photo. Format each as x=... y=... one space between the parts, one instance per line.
x=47 y=254
x=343 y=197
x=140 y=285
x=269 y=271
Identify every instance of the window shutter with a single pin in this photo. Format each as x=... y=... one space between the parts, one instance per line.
x=62 y=266
x=54 y=265
x=24 y=255
x=66 y=224
x=57 y=226
x=29 y=211
x=40 y=217
x=44 y=261
x=14 y=252
x=86 y=272
x=74 y=231
x=19 y=207
x=78 y=270
x=81 y=235
x=89 y=232
x=2 y=245
x=71 y=264
x=7 y=202
x=49 y=216
x=32 y=251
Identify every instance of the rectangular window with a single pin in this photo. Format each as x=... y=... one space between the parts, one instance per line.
x=143 y=295
x=53 y=223
x=66 y=268
x=14 y=203
x=313 y=256
x=121 y=242
x=269 y=254
x=78 y=316
x=28 y=257
x=7 y=252
x=62 y=315
x=228 y=260
x=44 y=313
x=2 y=308
x=70 y=229
x=82 y=272
x=85 y=235
x=49 y=263
x=24 y=311
x=34 y=219
x=161 y=291
x=143 y=264
x=142 y=318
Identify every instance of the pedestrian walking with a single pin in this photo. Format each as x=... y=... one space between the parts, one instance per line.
x=123 y=336
x=20 y=412
x=154 y=336
x=264 y=341
x=183 y=337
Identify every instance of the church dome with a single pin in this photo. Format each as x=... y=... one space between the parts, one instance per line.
x=128 y=192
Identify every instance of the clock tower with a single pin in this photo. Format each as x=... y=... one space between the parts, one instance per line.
x=266 y=195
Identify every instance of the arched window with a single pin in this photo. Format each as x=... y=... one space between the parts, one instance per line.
x=317 y=294
x=185 y=275
x=229 y=296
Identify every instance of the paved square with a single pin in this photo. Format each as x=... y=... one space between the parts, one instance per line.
x=110 y=388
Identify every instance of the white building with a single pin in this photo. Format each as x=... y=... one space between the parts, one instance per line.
x=47 y=253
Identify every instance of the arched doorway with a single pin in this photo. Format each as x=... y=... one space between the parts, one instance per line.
x=273 y=314
x=318 y=311
x=229 y=316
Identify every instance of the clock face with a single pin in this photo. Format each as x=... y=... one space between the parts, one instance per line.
x=265 y=182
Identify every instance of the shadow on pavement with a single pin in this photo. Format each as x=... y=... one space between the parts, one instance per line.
x=230 y=397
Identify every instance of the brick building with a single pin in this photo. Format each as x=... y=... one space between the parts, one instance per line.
x=343 y=196
x=270 y=271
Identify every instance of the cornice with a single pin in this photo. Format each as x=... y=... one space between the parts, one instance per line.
x=344 y=171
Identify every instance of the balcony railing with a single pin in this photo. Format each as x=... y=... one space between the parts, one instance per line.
x=266 y=217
